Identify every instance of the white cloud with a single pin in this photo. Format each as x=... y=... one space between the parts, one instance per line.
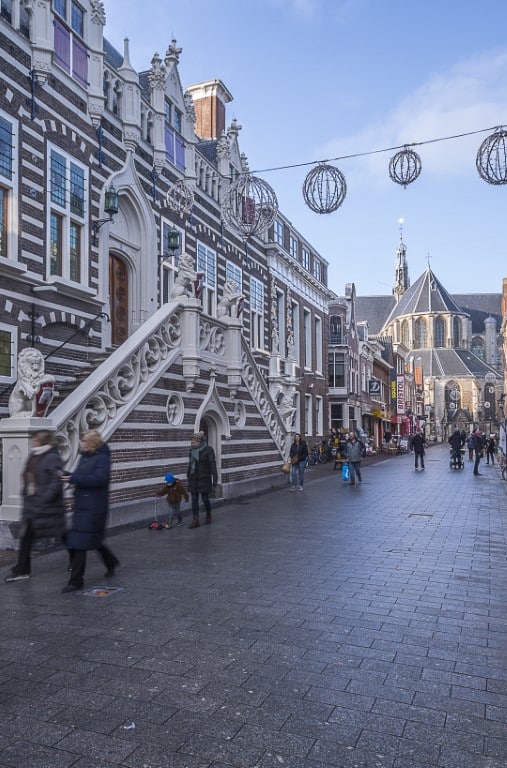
x=470 y=97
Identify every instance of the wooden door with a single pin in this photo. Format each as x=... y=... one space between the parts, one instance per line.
x=119 y=302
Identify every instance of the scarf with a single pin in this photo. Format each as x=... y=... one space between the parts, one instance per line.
x=195 y=455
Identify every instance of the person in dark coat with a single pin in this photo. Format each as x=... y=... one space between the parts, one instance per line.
x=490 y=449
x=479 y=451
x=418 y=445
x=91 y=505
x=43 y=507
x=202 y=476
x=456 y=442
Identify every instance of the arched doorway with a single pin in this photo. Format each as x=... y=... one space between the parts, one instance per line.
x=119 y=299
x=209 y=426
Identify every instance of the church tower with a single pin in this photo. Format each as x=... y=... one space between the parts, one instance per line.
x=401 y=278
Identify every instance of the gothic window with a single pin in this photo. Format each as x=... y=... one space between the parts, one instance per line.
x=116 y=98
x=405 y=336
x=421 y=334
x=439 y=332
x=478 y=347
x=456 y=332
x=452 y=398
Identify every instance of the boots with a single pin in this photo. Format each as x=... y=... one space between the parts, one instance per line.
x=195 y=523
x=209 y=519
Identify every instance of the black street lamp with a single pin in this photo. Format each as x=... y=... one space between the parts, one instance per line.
x=173 y=242
x=110 y=207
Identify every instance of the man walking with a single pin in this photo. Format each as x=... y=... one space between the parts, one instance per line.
x=418 y=444
x=354 y=453
x=202 y=476
x=479 y=451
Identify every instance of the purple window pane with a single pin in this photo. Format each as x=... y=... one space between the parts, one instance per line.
x=62 y=46
x=169 y=143
x=180 y=153
x=79 y=61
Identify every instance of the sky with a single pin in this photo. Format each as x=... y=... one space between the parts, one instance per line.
x=317 y=80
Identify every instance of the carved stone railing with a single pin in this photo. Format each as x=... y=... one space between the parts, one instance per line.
x=259 y=392
x=114 y=389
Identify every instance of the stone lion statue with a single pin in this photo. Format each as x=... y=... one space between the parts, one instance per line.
x=30 y=377
x=232 y=300
x=184 y=280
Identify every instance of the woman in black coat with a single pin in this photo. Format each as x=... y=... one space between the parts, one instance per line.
x=43 y=508
x=91 y=505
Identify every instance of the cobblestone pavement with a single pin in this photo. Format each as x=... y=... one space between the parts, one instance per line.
x=337 y=627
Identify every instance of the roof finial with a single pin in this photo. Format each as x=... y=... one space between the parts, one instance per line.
x=428 y=259
x=400 y=222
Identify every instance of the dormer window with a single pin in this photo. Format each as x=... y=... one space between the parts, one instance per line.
x=71 y=53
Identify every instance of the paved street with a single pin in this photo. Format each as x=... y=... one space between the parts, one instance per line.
x=339 y=627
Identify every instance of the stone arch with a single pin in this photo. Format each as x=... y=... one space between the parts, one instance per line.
x=133 y=237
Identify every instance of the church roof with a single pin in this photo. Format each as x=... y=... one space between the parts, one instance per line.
x=374 y=310
x=427 y=294
x=456 y=363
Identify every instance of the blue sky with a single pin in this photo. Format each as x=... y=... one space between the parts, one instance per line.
x=321 y=79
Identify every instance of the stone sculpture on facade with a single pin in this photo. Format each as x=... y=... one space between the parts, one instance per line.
x=184 y=280
x=33 y=390
x=232 y=300
x=287 y=409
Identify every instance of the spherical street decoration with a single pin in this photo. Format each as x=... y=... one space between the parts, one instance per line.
x=180 y=198
x=405 y=166
x=324 y=188
x=249 y=205
x=491 y=159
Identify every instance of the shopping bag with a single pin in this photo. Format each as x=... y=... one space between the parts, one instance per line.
x=286 y=467
x=345 y=473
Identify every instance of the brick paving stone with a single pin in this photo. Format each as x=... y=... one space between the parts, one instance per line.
x=369 y=632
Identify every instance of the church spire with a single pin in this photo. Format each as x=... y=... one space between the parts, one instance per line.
x=401 y=278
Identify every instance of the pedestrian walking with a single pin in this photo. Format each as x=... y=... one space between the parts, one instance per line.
x=202 y=476
x=490 y=449
x=91 y=505
x=298 y=455
x=418 y=446
x=174 y=491
x=354 y=452
x=470 y=446
x=478 y=450
x=43 y=514
x=456 y=443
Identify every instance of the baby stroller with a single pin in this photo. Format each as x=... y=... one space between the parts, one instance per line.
x=456 y=460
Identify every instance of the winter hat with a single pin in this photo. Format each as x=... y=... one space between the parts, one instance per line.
x=170 y=479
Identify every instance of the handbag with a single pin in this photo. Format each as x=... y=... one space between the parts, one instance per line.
x=294 y=460
x=345 y=473
x=286 y=467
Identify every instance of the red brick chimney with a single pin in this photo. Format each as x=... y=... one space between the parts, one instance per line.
x=210 y=99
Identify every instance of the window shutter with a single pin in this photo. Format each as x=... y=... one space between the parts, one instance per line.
x=180 y=153
x=62 y=46
x=79 y=61
x=169 y=143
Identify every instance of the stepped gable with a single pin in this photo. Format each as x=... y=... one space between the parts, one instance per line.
x=426 y=295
